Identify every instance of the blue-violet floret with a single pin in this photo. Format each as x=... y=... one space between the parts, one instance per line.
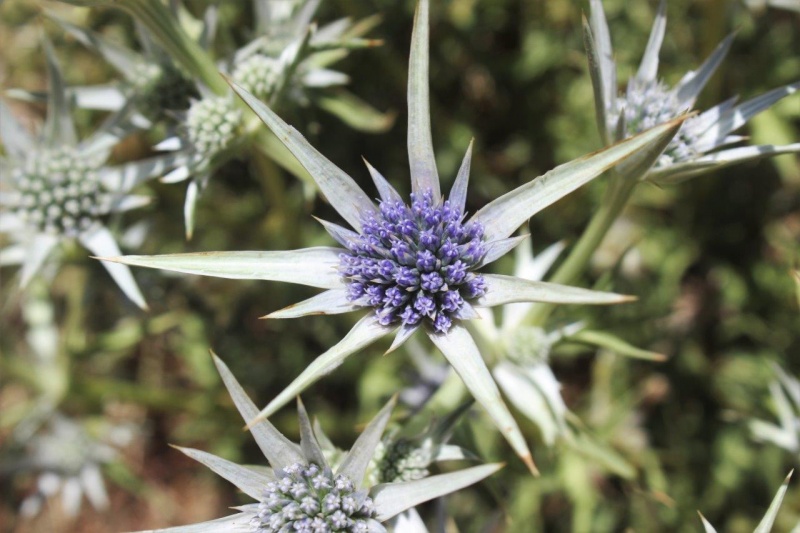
x=415 y=263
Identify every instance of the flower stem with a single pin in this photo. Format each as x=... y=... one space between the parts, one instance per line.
x=619 y=191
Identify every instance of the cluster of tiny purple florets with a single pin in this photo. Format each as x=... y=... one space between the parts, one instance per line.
x=414 y=263
x=311 y=499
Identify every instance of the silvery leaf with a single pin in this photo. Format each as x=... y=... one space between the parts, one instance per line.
x=393 y=498
x=279 y=451
x=122 y=59
x=536 y=394
x=308 y=441
x=125 y=177
x=611 y=342
x=502 y=289
x=100 y=242
x=422 y=161
x=238 y=523
x=58 y=128
x=497 y=249
x=648 y=70
x=248 y=481
x=458 y=193
x=694 y=81
x=462 y=353
x=736 y=117
x=601 y=106
x=606 y=67
x=385 y=189
x=330 y=302
x=16 y=139
x=365 y=332
x=504 y=215
x=354 y=465
x=341 y=191
x=680 y=172
x=315 y=267
x=36 y=251
x=765 y=526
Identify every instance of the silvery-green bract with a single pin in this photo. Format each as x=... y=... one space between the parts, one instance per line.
x=785 y=394
x=300 y=491
x=702 y=143
x=414 y=265
x=765 y=526
x=521 y=363
x=57 y=189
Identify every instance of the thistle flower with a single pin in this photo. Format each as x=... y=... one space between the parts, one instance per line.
x=703 y=142
x=59 y=189
x=301 y=492
x=68 y=461
x=414 y=265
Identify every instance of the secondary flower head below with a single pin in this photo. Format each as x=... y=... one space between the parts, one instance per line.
x=302 y=491
x=60 y=191
x=413 y=263
x=310 y=498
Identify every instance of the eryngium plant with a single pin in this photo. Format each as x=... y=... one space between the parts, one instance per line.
x=301 y=492
x=59 y=189
x=287 y=62
x=702 y=143
x=414 y=265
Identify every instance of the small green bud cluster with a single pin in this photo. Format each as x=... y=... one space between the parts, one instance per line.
x=258 y=74
x=211 y=125
x=527 y=345
x=145 y=76
x=60 y=192
x=311 y=499
x=402 y=460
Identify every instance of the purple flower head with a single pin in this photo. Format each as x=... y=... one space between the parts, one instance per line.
x=414 y=263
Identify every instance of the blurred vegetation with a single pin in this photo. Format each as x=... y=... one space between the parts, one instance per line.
x=710 y=260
